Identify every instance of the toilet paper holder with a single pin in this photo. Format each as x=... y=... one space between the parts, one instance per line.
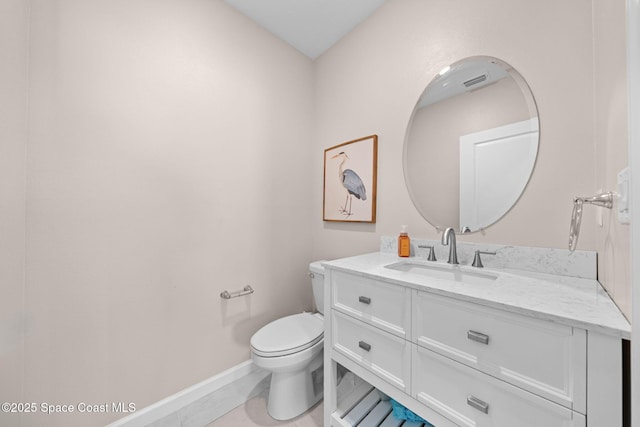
x=247 y=290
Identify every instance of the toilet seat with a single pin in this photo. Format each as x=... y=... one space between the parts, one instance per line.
x=288 y=335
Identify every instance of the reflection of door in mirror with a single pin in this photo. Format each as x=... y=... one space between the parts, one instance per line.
x=491 y=164
x=475 y=95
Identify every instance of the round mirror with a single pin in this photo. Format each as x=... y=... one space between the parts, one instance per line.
x=471 y=144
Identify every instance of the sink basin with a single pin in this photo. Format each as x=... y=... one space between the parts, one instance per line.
x=444 y=272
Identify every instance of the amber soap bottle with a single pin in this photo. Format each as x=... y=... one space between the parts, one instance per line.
x=404 y=243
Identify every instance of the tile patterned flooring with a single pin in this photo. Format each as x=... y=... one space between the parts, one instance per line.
x=254 y=414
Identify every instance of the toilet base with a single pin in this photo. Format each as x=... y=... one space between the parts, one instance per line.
x=292 y=393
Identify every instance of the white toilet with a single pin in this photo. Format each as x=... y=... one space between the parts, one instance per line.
x=291 y=348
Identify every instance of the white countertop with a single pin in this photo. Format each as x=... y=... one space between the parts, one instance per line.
x=567 y=300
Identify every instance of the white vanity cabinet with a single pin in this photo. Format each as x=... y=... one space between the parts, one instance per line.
x=482 y=366
x=462 y=363
x=383 y=305
x=471 y=398
x=542 y=357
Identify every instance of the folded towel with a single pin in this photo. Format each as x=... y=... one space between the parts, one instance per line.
x=402 y=413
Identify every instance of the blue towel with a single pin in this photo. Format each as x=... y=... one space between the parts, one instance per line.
x=402 y=413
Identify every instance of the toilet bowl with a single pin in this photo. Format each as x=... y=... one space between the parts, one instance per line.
x=291 y=348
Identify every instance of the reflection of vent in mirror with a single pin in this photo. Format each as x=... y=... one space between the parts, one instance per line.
x=475 y=80
x=460 y=77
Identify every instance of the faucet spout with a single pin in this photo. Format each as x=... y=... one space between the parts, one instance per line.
x=449 y=238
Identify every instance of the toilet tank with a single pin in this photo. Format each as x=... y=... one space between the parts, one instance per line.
x=316 y=272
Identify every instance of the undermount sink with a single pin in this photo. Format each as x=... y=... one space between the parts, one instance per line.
x=444 y=272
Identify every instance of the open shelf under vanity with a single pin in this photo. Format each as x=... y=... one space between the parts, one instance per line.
x=364 y=406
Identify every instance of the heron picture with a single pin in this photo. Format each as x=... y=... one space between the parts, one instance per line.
x=350 y=180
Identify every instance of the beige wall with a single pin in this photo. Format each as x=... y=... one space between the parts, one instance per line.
x=369 y=82
x=13 y=136
x=611 y=145
x=168 y=161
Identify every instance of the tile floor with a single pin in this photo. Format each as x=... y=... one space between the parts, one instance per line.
x=254 y=414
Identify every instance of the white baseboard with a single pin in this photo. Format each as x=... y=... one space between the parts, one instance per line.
x=204 y=402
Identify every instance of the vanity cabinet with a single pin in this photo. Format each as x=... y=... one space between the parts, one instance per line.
x=469 y=397
x=382 y=353
x=383 y=305
x=544 y=358
x=460 y=363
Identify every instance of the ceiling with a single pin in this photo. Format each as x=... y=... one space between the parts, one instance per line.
x=311 y=26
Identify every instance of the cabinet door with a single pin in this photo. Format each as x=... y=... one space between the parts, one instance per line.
x=545 y=358
x=380 y=304
x=471 y=398
x=383 y=354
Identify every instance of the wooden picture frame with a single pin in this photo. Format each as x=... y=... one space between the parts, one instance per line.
x=350 y=179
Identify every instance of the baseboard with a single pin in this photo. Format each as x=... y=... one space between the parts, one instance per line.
x=204 y=402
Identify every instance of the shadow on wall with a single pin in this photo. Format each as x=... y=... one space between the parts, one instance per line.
x=360 y=227
x=237 y=313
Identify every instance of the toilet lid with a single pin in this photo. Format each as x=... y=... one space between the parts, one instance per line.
x=287 y=335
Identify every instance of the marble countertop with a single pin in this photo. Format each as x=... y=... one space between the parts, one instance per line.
x=567 y=300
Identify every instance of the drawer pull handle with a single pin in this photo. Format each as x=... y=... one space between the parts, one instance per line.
x=478 y=337
x=478 y=404
x=363 y=345
x=364 y=300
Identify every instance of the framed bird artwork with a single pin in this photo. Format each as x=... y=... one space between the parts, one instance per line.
x=350 y=174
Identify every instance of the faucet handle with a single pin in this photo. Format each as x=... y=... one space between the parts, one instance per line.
x=432 y=253
x=477 y=262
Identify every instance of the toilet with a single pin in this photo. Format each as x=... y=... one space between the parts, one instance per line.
x=291 y=349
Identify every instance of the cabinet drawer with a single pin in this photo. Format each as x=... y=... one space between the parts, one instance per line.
x=542 y=357
x=471 y=398
x=384 y=354
x=380 y=304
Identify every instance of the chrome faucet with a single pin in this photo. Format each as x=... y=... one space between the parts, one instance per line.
x=449 y=238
